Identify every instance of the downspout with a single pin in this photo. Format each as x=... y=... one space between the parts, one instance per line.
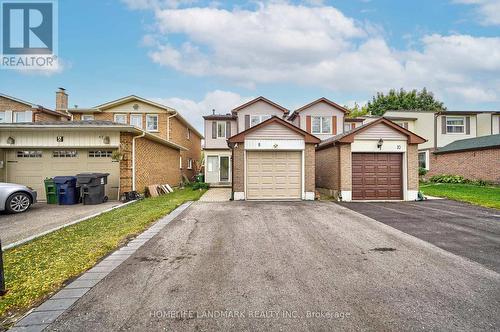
x=133 y=158
x=435 y=130
x=168 y=125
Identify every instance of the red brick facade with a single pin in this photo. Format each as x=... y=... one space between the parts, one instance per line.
x=474 y=165
x=39 y=115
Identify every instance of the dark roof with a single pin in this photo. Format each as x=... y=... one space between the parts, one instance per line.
x=220 y=117
x=476 y=143
x=353 y=120
x=348 y=136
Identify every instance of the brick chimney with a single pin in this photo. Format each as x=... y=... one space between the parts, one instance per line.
x=61 y=100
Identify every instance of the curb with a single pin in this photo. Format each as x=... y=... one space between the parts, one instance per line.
x=33 y=237
x=45 y=314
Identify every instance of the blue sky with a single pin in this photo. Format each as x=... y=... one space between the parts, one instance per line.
x=199 y=55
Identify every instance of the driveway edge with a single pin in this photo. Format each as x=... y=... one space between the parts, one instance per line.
x=46 y=313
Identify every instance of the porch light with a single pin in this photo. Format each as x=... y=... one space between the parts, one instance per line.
x=106 y=140
x=11 y=141
x=380 y=143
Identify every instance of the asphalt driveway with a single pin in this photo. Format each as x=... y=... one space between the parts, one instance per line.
x=42 y=217
x=463 y=229
x=287 y=266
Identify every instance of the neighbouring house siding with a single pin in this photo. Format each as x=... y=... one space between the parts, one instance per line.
x=495 y=123
x=310 y=168
x=423 y=126
x=178 y=135
x=45 y=138
x=239 y=168
x=476 y=165
x=258 y=108
x=380 y=131
x=445 y=139
x=218 y=143
x=412 y=161
x=274 y=131
x=484 y=124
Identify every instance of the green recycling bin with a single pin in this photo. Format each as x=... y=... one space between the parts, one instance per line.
x=50 y=191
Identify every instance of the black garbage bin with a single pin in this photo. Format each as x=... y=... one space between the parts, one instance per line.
x=93 y=187
x=67 y=190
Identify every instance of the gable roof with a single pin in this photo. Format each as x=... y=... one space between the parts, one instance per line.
x=322 y=100
x=263 y=99
x=476 y=143
x=127 y=99
x=240 y=138
x=348 y=137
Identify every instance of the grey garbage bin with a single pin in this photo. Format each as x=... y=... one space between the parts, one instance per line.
x=93 y=187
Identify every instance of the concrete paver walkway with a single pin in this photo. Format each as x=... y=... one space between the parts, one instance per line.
x=217 y=195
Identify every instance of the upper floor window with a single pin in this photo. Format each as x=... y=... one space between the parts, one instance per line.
x=88 y=117
x=136 y=120
x=403 y=124
x=152 y=122
x=221 y=129
x=455 y=124
x=188 y=133
x=2 y=117
x=321 y=124
x=120 y=118
x=22 y=117
x=256 y=119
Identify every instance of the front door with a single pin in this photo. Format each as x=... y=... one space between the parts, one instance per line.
x=212 y=169
x=224 y=169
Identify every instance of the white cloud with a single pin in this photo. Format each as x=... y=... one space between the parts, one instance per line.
x=319 y=46
x=156 y=4
x=222 y=101
x=487 y=10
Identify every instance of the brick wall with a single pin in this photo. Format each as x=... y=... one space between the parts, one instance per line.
x=345 y=167
x=310 y=168
x=327 y=168
x=155 y=163
x=239 y=168
x=412 y=155
x=178 y=135
x=41 y=116
x=476 y=165
x=11 y=105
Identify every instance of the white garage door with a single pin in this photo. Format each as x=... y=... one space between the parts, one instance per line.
x=274 y=174
x=31 y=167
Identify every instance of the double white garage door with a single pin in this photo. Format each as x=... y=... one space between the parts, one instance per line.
x=274 y=175
x=31 y=167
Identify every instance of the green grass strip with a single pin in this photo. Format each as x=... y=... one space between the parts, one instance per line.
x=487 y=196
x=40 y=267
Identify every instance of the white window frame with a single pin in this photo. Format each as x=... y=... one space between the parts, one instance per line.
x=321 y=123
x=116 y=115
x=3 y=117
x=148 y=117
x=221 y=123
x=16 y=120
x=402 y=124
x=88 y=117
x=347 y=127
x=259 y=119
x=188 y=133
x=426 y=153
x=190 y=163
x=135 y=116
x=454 y=118
x=180 y=162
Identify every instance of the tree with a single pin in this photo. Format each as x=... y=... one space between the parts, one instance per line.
x=404 y=100
x=356 y=110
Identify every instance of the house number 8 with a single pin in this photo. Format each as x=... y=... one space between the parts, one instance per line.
x=398 y=147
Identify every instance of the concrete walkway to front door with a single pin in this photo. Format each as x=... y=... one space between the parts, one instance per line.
x=216 y=195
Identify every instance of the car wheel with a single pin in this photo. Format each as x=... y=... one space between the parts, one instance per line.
x=18 y=202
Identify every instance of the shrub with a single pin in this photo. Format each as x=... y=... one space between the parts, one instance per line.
x=422 y=171
x=446 y=178
x=199 y=185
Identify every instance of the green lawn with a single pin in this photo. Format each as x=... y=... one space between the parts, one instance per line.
x=488 y=196
x=37 y=269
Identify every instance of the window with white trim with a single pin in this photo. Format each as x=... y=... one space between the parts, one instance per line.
x=87 y=117
x=403 y=124
x=188 y=133
x=152 y=122
x=20 y=117
x=65 y=154
x=29 y=154
x=3 y=117
x=455 y=124
x=120 y=118
x=136 y=120
x=180 y=162
x=221 y=129
x=347 y=127
x=321 y=124
x=190 y=163
x=256 y=119
x=100 y=154
x=422 y=159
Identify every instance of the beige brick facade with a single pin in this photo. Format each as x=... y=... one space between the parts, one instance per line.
x=412 y=155
x=345 y=167
x=239 y=168
x=155 y=163
x=310 y=167
x=7 y=104
x=474 y=165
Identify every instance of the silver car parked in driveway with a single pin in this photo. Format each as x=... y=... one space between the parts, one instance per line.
x=16 y=198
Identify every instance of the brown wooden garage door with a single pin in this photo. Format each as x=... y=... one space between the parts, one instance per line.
x=377 y=176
